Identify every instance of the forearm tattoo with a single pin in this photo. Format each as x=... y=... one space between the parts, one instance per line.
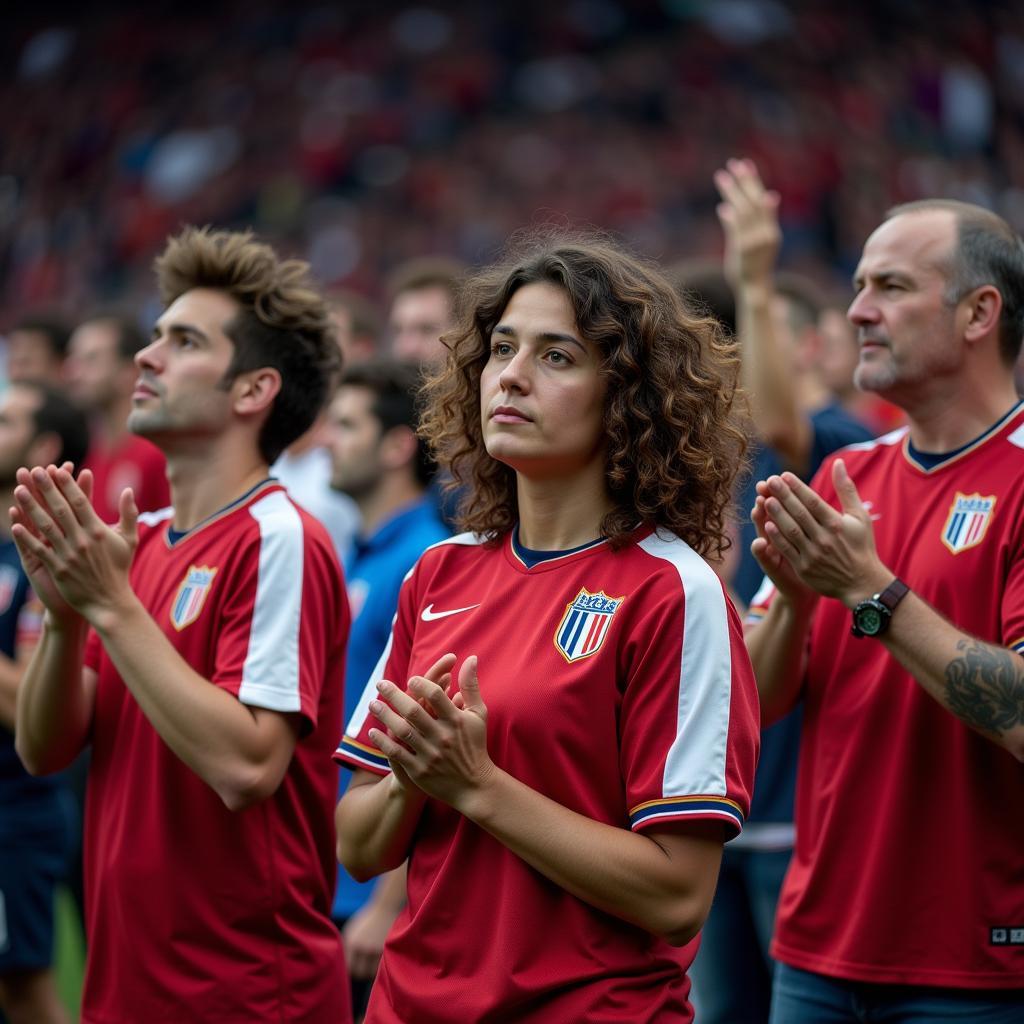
x=985 y=686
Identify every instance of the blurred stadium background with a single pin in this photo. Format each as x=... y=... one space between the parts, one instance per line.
x=361 y=134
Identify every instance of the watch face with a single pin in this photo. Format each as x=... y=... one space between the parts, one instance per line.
x=869 y=620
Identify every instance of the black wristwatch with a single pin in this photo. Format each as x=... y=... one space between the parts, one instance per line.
x=871 y=617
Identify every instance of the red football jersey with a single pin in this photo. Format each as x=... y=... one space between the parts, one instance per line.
x=908 y=865
x=617 y=684
x=195 y=912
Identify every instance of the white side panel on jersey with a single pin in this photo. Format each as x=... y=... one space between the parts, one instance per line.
x=886 y=440
x=355 y=723
x=696 y=759
x=270 y=676
x=156 y=517
x=362 y=709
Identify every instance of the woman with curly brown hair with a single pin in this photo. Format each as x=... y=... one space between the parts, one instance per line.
x=565 y=835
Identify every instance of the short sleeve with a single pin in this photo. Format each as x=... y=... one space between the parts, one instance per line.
x=690 y=716
x=355 y=749
x=284 y=615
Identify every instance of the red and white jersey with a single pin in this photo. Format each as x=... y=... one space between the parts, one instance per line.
x=196 y=912
x=617 y=684
x=909 y=864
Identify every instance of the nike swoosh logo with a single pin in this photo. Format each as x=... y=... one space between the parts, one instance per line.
x=429 y=614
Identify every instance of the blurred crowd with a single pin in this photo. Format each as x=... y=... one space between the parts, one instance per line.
x=360 y=135
x=392 y=146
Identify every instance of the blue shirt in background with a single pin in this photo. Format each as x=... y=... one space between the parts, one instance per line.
x=775 y=782
x=374 y=572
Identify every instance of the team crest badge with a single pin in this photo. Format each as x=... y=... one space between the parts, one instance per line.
x=191 y=596
x=968 y=519
x=585 y=624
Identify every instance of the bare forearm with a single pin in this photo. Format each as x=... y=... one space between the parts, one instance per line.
x=374 y=823
x=768 y=377
x=665 y=890
x=218 y=737
x=54 y=705
x=981 y=683
x=777 y=647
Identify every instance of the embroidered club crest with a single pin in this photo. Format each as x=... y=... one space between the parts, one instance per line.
x=585 y=624
x=191 y=596
x=968 y=519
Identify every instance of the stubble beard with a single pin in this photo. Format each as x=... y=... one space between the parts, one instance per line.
x=874 y=378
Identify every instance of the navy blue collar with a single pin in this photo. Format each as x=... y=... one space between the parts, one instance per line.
x=530 y=557
x=929 y=460
x=173 y=536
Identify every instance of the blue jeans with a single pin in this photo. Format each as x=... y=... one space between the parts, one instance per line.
x=802 y=997
x=732 y=975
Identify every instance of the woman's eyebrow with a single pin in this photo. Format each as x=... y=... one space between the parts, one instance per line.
x=509 y=330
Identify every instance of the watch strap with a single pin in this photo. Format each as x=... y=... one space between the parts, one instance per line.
x=893 y=594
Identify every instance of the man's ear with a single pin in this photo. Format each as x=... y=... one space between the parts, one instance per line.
x=256 y=390
x=44 y=450
x=984 y=307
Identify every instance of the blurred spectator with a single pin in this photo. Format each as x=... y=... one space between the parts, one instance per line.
x=799 y=423
x=100 y=375
x=305 y=471
x=305 y=468
x=702 y=285
x=357 y=325
x=379 y=461
x=36 y=347
x=365 y=135
x=423 y=297
x=797 y=418
x=837 y=358
x=38 y=426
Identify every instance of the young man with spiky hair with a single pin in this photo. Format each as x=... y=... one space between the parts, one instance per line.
x=201 y=652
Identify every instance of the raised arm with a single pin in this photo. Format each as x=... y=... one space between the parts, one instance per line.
x=834 y=552
x=749 y=217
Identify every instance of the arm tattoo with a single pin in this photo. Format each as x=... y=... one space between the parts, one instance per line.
x=985 y=686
